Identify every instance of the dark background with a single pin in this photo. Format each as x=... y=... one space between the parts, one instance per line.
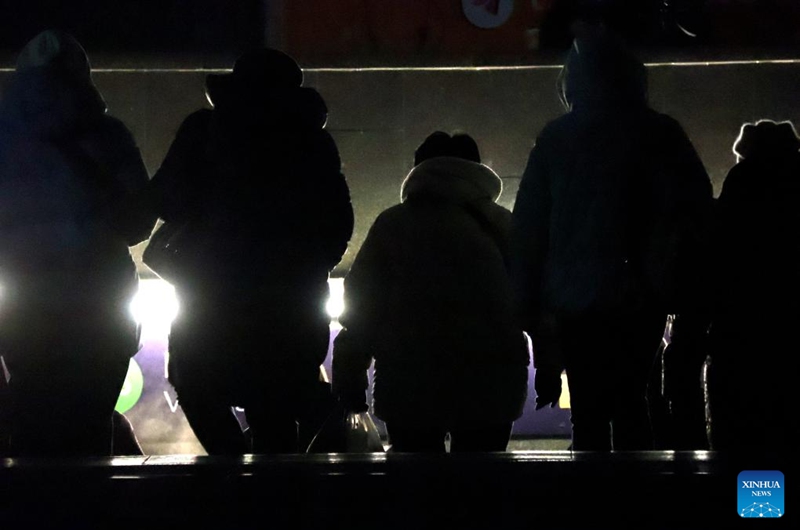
x=137 y=25
x=325 y=33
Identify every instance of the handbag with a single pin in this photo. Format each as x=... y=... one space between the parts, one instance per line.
x=346 y=431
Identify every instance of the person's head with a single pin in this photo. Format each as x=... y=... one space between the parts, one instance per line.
x=255 y=72
x=601 y=71
x=766 y=137
x=51 y=90
x=440 y=143
x=57 y=52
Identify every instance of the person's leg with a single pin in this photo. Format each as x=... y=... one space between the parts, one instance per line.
x=273 y=429
x=201 y=350
x=317 y=407
x=45 y=410
x=486 y=437
x=408 y=437
x=286 y=401
x=589 y=370
x=637 y=339
x=213 y=422
x=124 y=440
x=689 y=416
x=63 y=402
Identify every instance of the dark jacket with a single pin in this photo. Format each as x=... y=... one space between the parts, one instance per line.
x=258 y=181
x=428 y=297
x=71 y=184
x=262 y=180
x=756 y=278
x=610 y=202
x=756 y=296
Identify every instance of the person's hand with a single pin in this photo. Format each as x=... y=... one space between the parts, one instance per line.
x=547 y=384
x=354 y=402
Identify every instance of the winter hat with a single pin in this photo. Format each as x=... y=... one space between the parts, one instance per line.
x=55 y=50
x=254 y=72
x=766 y=137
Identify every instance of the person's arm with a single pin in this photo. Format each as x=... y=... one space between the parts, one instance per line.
x=175 y=188
x=118 y=159
x=365 y=288
x=529 y=243
x=530 y=225
x=680 y=206
x=338 y=209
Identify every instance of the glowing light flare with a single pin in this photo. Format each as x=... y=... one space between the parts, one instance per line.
x=154 y=303
x=335 y=305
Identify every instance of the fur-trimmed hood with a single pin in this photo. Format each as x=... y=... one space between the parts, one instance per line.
x=452 y=178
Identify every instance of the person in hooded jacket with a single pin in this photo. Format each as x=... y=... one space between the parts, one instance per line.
x=256 y=182
x=428 y=298
x=605 y=225
x=71 y=204
x=755 y=295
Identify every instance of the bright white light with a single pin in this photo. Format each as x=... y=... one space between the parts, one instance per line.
x=154 y=303
x=335 y=305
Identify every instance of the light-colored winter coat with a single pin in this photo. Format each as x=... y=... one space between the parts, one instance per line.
x=428 y=297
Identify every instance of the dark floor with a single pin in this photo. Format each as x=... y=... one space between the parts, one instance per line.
x=523 y=489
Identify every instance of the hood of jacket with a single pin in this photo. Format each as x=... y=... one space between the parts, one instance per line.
x=451 y=178
x=51 y=92
x=601 y=72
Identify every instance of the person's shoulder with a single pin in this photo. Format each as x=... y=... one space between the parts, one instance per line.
x=199 y=119
x=107 y=131
x=395 y=218
x=662 y=121
x=391 y=214
x=739 y=174
x=200 y=115
x=558 y=126
x=111 y=125
x=557 y=132
x=498 y=209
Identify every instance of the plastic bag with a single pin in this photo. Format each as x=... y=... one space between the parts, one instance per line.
x=347 y=432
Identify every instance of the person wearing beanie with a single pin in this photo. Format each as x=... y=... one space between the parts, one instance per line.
x=256 y=182
x=71 y=195
x=755 y=294
x=428 y=298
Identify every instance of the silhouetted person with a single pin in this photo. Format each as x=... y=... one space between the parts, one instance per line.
x=257 y=181
x=756 y=297
x=71 y=179
x=428 y=298
x=610 y=195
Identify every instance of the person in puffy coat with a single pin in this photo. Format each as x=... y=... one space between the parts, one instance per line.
x=607 y=223
x=257 y=183
x=428 y=298
x=71 y=204
x=755 y=301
